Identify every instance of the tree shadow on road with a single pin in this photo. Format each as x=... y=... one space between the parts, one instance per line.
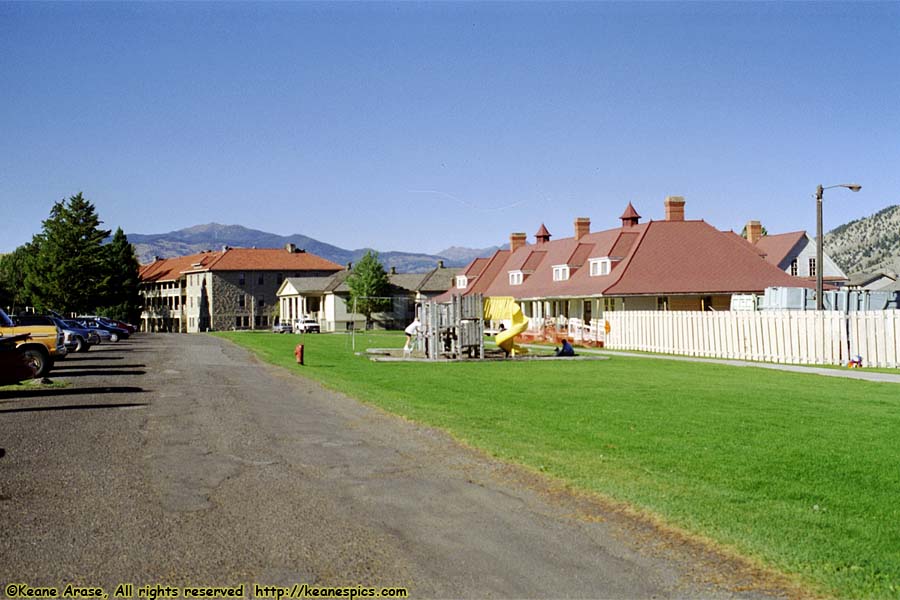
x=74 y=407
x=53 y=392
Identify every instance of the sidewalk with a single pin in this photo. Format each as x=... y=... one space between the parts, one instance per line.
x=846 y=373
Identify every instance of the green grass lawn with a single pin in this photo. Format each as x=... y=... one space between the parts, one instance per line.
x=799 y=471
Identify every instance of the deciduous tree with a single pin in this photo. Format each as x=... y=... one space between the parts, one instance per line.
x=368 y=283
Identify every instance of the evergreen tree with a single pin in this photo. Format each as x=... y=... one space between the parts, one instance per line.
x=13 y=268
x=121 y=298
x=69 y=270
x=368 y=283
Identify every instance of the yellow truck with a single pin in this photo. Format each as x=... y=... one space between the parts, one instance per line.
x=43 y=346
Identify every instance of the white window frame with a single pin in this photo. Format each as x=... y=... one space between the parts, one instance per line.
x=560 y=272
x=462 y=282
x=516 y=277
x=600 y=266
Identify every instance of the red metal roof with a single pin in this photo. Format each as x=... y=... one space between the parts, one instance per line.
x=681 y=257
x=778 y=247
x=580 y=255
x=476 y=267
x=630 y=213
x=236 y=259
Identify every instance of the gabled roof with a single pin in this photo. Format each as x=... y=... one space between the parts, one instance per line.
x=475 y=267
x=863 y=279
x=580 y=255
x=780 y=247
x=438 y=280
x=756 y=248
x=534 y=260
x=306 y=285
x=623 y=244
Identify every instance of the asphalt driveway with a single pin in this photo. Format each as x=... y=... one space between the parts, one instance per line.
x=182 y=460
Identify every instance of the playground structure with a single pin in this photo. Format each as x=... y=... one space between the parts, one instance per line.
x=455 y=330
x=506 y=308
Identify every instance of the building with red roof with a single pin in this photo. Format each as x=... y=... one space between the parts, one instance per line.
x=674 y=264
x=232 y=288
x=795 y=254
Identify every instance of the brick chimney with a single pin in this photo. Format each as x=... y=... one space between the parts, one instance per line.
x=542 y=236
x=290 y=247
x=754 y=231
x=674 y=208
x=440 y=264
x=582 y=227
x=516 y=241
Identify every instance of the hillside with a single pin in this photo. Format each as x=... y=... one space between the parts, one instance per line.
x=214 y=235
x=869 y=244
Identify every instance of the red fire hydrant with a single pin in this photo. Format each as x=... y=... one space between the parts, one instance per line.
x=298 y=354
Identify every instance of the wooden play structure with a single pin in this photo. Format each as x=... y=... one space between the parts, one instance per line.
x=453 y=330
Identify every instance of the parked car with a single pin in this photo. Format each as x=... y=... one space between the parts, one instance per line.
x=115 y=334
x=14 y=364
x=102 y=334
x=42 y=347
x=78 y=338
x=109 y=324
x=307 y=325
x=282 y=327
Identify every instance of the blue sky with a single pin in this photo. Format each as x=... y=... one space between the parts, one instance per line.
x=419 y=126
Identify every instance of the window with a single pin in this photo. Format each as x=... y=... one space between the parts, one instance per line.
x=561 y=273
x=241 y=279
x=237 y=321
x=461 y=282
x=260 y=302
x=662 y=303
x=794 y=267
x=609 y=305
x=812 y=267
x=515 y=278
x=600 y=266
x=261 y=279
x=242 y=301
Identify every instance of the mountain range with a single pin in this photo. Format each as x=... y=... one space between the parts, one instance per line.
x=213 y=236
x=867 y=245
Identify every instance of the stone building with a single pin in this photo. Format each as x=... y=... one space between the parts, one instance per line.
x=233 y=288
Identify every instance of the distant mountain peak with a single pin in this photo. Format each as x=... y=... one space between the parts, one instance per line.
x=212 y=236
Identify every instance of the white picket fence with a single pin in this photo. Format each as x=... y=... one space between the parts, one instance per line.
x=802 y=337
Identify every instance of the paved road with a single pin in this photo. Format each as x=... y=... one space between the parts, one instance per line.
x=182 y=460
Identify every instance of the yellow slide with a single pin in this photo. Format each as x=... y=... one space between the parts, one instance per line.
x=502 y=308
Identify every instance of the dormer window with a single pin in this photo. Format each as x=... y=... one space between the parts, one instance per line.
x=462 y=282
x=516 y=277
x=600 y=266
x=561 y=273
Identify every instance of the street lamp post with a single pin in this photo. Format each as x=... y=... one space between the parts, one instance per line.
x=820 y=305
